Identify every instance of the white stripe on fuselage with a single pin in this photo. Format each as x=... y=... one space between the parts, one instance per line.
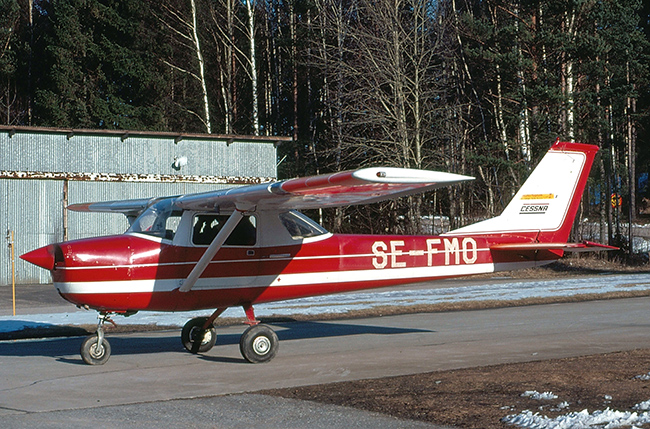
x=396 y=275
x=270 y=258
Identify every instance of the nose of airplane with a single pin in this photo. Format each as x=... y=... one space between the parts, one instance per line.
x=42 y=257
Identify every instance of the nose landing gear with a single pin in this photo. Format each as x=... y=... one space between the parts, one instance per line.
x=95 y=349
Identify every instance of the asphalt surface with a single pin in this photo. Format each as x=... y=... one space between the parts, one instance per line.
x=150 y=379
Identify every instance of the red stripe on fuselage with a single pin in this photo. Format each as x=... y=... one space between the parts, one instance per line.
x=128 y=257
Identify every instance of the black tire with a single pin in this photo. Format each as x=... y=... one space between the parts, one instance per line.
x=92 y=354
x=259 y=344
x=192 y=329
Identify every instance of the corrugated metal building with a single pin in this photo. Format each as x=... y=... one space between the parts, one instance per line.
x=42 y=170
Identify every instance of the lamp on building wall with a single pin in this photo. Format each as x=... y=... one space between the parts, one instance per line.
x=179 y=162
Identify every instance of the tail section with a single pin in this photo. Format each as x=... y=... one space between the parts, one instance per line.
x=544 y=208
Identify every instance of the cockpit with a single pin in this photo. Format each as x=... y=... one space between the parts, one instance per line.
x=159 y=220
x=164 y=219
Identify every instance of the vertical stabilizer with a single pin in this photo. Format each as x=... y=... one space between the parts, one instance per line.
x=547 y=203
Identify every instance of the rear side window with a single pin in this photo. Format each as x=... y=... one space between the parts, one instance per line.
x=300 y=226
x=207 y=226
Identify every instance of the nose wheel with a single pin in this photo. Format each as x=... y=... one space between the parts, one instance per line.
x=95 y=349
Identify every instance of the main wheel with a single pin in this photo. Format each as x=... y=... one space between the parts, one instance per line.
x=93 y=353
x=258 y=344
x=191 y=332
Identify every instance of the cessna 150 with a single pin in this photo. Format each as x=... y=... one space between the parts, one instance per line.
x=244 y=246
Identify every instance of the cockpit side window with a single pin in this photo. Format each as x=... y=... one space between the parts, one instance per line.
x=207 y=226
x=159 y=220
x=300 y=226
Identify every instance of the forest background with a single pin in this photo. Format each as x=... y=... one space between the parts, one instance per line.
x=477 y=87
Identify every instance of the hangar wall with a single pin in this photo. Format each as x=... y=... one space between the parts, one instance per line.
x=42 y=170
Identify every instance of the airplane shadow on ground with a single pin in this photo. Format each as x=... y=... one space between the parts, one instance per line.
x=169 y=341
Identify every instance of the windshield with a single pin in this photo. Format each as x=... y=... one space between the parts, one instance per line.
x=160 y=220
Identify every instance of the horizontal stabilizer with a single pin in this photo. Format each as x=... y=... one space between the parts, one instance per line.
x=585 y=246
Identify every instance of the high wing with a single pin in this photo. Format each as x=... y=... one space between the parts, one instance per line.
x=128 y=207
x=361 y=186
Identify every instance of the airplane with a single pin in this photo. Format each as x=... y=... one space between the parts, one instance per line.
x=249 y=245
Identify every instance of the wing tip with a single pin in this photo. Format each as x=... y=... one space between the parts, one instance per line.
x=408 y=175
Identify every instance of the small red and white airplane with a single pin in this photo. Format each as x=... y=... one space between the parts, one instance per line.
x=247 y=245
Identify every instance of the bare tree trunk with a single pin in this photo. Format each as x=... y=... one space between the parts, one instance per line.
x=524 y=121
x=187 y=31
x=604 y=197
x=233 y=65
x=569 y=22
x=199 y=56
x=500 y=123
x=250 y=9
x=269 y=127
x=630 y=109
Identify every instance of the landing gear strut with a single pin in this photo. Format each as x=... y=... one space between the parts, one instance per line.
x=95 y=349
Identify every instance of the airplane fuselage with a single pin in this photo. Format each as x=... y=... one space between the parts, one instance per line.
x=134 y=272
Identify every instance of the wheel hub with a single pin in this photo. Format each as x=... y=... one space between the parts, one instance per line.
x=261 y=345
x=196 y=332
x=97 y=351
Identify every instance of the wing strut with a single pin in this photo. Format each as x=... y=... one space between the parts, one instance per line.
x=212 y=250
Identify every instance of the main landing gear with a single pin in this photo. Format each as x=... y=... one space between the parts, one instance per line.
x=258 y=344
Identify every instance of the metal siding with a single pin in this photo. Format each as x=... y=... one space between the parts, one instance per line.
x=34 y=212
x=33 y=208
x=135 y=155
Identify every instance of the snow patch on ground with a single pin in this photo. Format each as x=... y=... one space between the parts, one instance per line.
x=606 y=419
x=643 y=406
x=534 y=394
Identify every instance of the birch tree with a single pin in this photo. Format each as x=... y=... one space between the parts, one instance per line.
x=184 y=28
x=252 y=62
